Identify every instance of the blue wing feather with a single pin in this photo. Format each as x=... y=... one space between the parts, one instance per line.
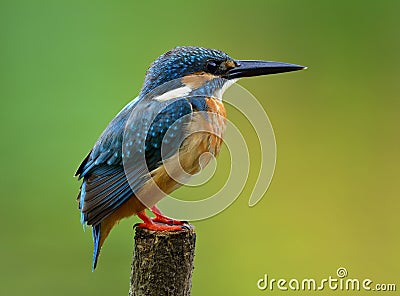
x=105 y=185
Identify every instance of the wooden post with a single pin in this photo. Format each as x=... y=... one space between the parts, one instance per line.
x=162 y=262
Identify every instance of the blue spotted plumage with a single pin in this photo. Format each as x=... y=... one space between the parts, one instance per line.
x=169 y=116
x=157 y=126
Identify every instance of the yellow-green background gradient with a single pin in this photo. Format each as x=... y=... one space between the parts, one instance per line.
x=67 y=67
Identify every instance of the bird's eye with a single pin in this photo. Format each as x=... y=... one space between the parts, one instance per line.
x=212 y=66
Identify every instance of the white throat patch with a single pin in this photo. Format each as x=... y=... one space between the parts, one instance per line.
x=174 y=93
x=219 y=92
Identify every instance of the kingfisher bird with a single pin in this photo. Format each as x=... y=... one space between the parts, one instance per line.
x=182 y=89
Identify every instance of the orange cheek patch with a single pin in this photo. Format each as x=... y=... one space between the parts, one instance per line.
x=196 y=80
x=230 y=64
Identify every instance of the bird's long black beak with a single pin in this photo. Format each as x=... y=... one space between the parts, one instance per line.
x=258 y=68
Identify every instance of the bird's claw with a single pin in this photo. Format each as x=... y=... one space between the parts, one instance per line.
x=185 y=227
x=159 y=227
x=167 y=220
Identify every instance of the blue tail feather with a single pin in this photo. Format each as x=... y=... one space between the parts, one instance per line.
x=81 y=202
x=96 y=243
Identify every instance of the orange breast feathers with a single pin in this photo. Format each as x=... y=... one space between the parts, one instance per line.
x=217 y=120
x=206 y=133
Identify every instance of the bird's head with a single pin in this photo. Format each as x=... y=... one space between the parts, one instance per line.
x=197 y=67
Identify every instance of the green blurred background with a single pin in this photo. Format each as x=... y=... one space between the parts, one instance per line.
x=67 y=67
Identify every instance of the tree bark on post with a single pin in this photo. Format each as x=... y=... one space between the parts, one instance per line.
x=162 y=262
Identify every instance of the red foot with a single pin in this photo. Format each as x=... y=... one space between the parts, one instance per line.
x=159 y=227
x=149 y=224
x=160 y=218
